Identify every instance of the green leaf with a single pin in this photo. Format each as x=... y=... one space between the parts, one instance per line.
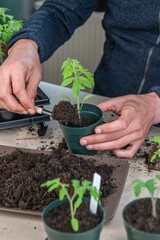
x=53 y=187
x=85 y=82
x=75 y=89
x=50 y=182
x=158 y=176
x=94 y=193
x=78 y=203
x=150 y=185
x=86 y=183
x=75 y=224
x=153 y=158
x=62 y=193
x=80 y=191
x=67 y=72
x=87 y=97
x=138 y=185
x=67 y=81
x=75 y=183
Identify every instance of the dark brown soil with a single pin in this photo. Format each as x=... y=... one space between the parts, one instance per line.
x=86 y=219
x=140 y=217
x=153 y=165
x=65 y=112
x=22 y=174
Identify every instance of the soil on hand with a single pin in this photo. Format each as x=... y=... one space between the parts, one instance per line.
x=154 y=165
x=23 y=172
x=65 y=112
x=86 y=219
x=139 y=215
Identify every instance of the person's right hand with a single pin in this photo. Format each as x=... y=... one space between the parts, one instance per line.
x=20 y=75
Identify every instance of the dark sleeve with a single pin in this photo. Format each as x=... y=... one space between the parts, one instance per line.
x=54 y=23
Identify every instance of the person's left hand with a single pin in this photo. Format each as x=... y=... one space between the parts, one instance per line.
x=137 y=114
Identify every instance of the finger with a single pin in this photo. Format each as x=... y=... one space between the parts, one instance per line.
x=116 y=144
x=9 y=103
x=113 y=104
x=33 y=84
x=100 y=138
x=20 y=92
x=128 y=152
x=122 y=123
x=7 y=100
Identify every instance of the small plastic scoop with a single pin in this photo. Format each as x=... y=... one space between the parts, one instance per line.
x=96 y=183
x=40 y=110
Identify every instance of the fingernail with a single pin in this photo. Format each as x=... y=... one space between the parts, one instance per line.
x=31 y=111
x=98 y=130
x=25 y=112
x=83 y=142
x=89 y=147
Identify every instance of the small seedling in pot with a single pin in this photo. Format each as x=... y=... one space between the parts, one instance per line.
x=156 y=154
x=79 y=77
x=152 y=186
x=76 y=198
x=8 y=26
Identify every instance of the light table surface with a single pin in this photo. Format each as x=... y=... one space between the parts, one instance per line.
x=19 y=227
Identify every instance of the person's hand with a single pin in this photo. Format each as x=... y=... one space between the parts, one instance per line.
x=126 y=134
x=20 y=75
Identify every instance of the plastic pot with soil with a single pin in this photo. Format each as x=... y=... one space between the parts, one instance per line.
x=73 y=209
x=138 y=220
x=142 y=216
x=90 y=117
x=80 y=119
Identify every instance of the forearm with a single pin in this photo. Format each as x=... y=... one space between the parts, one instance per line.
x=54 y=23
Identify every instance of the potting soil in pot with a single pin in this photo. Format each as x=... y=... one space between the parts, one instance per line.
x=139 y=215
x=67 y=113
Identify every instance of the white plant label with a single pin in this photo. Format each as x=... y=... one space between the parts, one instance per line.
x=96 y=184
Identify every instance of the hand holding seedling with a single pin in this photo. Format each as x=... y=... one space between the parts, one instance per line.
x=153 y=188
x=76 y=199
x=128 y=131
x=80 y=78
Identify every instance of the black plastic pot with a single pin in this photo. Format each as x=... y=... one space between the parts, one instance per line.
x=73 y=135
x=133 y=233
x=92 y=234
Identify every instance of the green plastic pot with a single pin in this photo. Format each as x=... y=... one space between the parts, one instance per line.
x=73 y=135
x=92 y=234
x=133 y=233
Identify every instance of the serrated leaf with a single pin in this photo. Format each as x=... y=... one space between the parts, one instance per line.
x=67 y=81
x=85 y=82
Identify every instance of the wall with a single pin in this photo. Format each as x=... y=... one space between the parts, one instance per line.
x=86 y=45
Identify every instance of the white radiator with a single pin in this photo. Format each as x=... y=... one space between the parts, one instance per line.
x=86 y=45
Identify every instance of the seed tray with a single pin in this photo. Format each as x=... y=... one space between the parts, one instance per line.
x=11 y=120
x=110 y=203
